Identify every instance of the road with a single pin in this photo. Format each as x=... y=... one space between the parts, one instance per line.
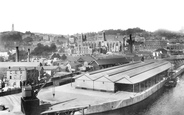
x=12 y=103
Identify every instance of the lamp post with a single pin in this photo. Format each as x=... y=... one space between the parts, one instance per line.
x=53 y=91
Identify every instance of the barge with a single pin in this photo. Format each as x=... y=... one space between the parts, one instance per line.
x=124 y=87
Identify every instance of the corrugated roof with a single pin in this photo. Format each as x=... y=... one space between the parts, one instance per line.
x=114 y=79
x=132 y=73
x=85 y=77
x=130 y=68
x=104 y=79
x=141 y=76
x=136 y=70
x=125 y=80
x=117 y=69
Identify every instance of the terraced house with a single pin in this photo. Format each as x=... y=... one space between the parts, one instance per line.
x=18 y=76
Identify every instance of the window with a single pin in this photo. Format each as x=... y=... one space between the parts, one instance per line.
x=10 y=77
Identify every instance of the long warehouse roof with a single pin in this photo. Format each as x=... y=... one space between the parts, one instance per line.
x=132 y=73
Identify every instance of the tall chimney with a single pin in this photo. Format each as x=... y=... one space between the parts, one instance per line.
x=17 y=54
x=28 y=56
x=104 y=37
x=131 y=44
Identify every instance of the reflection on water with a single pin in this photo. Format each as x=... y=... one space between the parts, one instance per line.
x=171 y=102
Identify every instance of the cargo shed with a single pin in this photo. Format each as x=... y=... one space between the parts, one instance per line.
x=84 y=82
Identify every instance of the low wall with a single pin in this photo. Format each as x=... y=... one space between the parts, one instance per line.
x=12 y=91
x=124 y=103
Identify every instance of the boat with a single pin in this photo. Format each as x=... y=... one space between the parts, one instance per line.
x=124 y=87
x=173 y=78
x=171 y=83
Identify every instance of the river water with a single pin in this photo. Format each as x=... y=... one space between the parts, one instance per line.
x=170 y=102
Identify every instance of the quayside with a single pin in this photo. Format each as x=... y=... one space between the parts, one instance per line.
x=122 y=88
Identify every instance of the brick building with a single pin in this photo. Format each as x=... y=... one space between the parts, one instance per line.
x=152 y=45
x=175 y=47
x=18 y=76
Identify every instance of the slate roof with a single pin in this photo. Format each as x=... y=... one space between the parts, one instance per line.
x=111 y=61
x=87 y=58
x=133 y=73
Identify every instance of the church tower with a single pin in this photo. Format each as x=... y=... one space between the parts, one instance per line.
x=12 y=27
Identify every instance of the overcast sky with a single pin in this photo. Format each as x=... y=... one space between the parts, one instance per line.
x=78 y=16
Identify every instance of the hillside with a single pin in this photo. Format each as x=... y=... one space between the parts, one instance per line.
x=143 y=33
x=168 y=34
x=124 y=32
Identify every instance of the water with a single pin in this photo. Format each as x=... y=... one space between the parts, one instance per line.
x=171 y=102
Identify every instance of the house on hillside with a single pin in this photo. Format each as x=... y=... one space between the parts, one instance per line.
x=163 y=52
x=51 y=70
x=75 y=65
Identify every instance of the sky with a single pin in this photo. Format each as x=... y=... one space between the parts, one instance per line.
x=80 y=16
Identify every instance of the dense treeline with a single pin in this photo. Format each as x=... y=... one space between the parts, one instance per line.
x=157 y=34
x=11 y=36
x=168 y=34
x=44 y=49
x=124 y=32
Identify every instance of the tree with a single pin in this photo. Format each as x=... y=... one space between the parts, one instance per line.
x=53 y=47
x=44 y=50
x=103 y=50
x=1 y=59
x=61 y=50
x=63 y=57
x=55 y=56
x=11 y=57
x=12 y=37
x=28 y=39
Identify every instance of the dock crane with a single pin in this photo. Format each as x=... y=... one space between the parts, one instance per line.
x=30 y=104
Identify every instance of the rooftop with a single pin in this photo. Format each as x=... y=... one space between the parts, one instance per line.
x=19 y=64
x=50 y=67
x=129 y=73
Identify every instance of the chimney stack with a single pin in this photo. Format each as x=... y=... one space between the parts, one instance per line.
x=28 y=55
x=131 y=44
x=104 y=37
x=17 y=54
